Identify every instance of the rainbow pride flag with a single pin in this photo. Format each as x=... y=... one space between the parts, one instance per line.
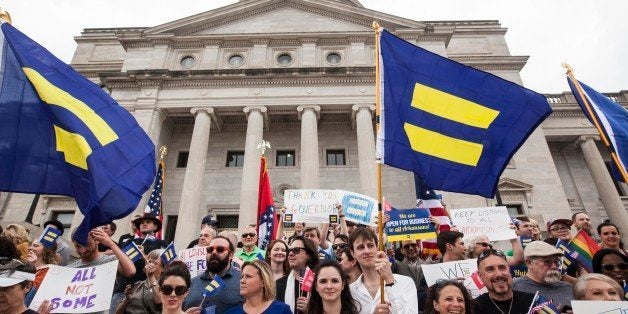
x=586 y=247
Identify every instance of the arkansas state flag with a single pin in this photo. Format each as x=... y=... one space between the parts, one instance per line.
x=267 y=221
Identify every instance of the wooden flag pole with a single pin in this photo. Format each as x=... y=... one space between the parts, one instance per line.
x=596 y=123
x=380 y=224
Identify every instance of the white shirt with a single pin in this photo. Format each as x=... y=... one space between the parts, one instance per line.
x=402 y=296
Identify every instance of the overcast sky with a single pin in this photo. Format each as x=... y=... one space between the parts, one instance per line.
x=589 y=35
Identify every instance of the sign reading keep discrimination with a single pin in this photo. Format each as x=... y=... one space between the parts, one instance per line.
x=77 y=290
x=493 y=222
x=409 y=224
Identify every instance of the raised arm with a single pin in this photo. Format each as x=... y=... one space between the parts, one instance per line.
x=125 y=265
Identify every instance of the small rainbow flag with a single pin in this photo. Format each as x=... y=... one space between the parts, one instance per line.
x=586 y=248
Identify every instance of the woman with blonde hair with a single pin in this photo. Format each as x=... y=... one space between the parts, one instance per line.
x=19 y=235
x=141 y=296
x=597 y=287
x=257 y=287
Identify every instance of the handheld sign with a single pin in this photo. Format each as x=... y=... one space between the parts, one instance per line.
x=493 y=222
x=195 y=258
x=595 y=307
x=452 y=270
x=409 y=224
x=77 y=290
x=358 y=208
x=314 y=206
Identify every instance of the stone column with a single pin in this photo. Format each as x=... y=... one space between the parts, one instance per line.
x=604 y=184
x=366 y=148
x=188 y=221
x=250 y=171
x=309 y=146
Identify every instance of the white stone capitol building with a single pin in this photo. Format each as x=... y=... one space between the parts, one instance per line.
x=300 y=74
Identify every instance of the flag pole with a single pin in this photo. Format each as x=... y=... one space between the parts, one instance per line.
x=594 y=118
x=380 y=225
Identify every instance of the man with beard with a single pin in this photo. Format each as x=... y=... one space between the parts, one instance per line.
x=495 y=273
x=219 y=256
x=582 y=221
x=544 y=275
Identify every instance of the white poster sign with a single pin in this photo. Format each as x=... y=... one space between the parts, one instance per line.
x=465 y=270
x=358 y=208
x=314 y=206
x=77 y=290
x=599 y=307
x=493 y=222
x=195 y=258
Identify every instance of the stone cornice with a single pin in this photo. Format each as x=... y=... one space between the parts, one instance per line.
x=488 y=63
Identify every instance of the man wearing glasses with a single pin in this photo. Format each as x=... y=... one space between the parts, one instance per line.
x=560 y=229
x=495 y=274
x=544 y=274
x=410 y=266
x=219 y=256
x=250 y=251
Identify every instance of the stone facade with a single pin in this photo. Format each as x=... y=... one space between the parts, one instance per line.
x=177 y=80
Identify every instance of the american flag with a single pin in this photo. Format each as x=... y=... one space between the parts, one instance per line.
x=155 y=201
x=427 y=198
x=267 y=221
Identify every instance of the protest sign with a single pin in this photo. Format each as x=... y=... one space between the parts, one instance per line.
x=453 y=270
x=195 y=258
x=493 y=222
x=518 y=271
x=358 y=208
x=312 y=206
x=409 y=224
x=599 y=307
x=77 y=290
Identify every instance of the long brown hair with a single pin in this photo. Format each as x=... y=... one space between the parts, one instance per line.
x=286 y=265
x=348 y=304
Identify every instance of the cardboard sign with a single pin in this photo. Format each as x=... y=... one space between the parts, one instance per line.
x=409 y=224
x=358 y=208
x=195 y=258
x=452 y=270
x=493 y=222
x=77 y=290
x=312 y=206
x=599 y=307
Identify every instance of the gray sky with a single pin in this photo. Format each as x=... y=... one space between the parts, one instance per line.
x=589 y=35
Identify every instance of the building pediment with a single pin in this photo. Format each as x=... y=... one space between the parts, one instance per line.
x=281 y=17
x=507 y=184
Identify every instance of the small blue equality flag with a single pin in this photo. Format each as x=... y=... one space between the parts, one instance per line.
x=132 y=251
x=49 y=236
x=169 y=254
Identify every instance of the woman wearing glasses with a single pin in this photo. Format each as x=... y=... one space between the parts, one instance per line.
x=174 y=285
x=331 y=293
x=257 y=286
x=448 y=297
x=277 y=258
x=302 y=253
x=613 y=264
x=141 y=297
x=341 y=242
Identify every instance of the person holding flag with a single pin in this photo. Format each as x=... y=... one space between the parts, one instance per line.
x=41 y=254
x=141 y=297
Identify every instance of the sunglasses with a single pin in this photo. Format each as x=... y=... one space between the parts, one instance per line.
x=296 y=250
x=248 y=235
x=410 y=245
x=489 y=252
x=217 y=249
x=611 y=267
x=178 y=290
x=558 y=229
x=484 y=244
x=549 y=262
x=339 y=246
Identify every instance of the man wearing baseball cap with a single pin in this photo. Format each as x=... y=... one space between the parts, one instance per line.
x=544 y=274
x=560 y=229
x=16 y=280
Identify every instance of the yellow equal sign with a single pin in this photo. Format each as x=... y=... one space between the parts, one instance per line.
x=452 y=108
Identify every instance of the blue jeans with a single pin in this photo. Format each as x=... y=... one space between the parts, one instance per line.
x=116 y=298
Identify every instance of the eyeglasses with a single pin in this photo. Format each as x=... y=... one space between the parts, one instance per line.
x=296 y=250
x=611 y=267
x=484 y=244
x=489 y=252
x=248 y=235
x=178 y=290
x=409 y=245
x=549 y=262
x=339 y=246
x=217 y=249
x=558 y=229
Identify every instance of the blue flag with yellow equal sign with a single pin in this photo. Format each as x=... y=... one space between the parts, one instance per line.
x=62 y=134
x=453 y=125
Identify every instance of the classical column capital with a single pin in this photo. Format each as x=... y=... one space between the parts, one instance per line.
x=208 y=110
x=263 y=110
x=584 y=138
x=315 y=108
x=356 y=108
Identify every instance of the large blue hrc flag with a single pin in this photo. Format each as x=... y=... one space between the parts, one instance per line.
x=455 y=126
x=62 y=134
x=612 y=119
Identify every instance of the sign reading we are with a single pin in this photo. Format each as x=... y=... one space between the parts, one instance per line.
x=77 y=290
